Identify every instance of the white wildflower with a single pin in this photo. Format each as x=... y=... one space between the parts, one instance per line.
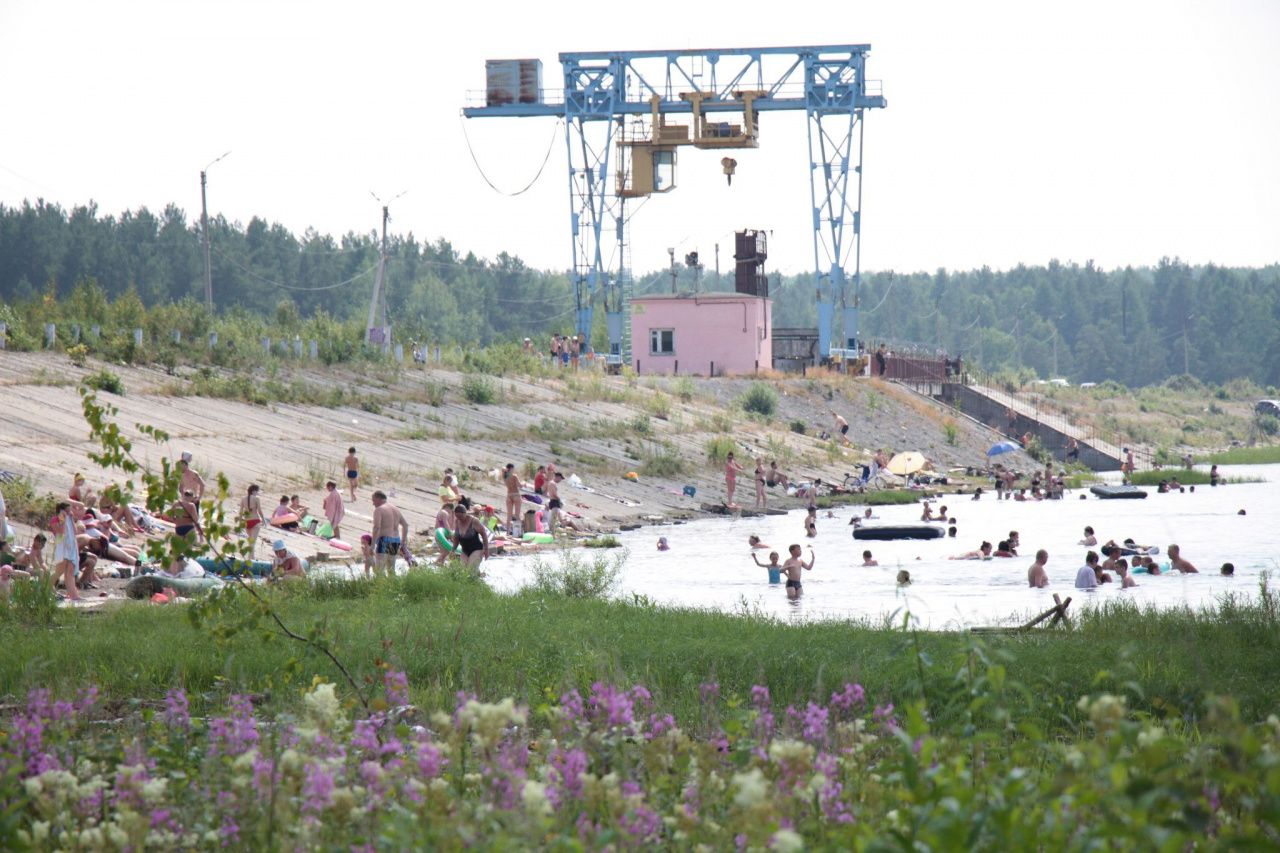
x=752 y=788
x=786 y=841
x=534 y=795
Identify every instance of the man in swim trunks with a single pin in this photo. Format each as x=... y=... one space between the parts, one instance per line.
x=352 y=466
x=1177 y=561
x=470 y=537
x=867 y=560
x=1089 y=539
x=389 y=531
x=554 y=505
x=842 y=426
x=793 y=567
x=776 y=477
x=1036 y=576
x=512 y=481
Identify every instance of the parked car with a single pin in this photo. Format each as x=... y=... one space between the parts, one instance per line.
x=1268 y=407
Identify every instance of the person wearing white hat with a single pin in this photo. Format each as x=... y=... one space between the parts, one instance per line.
x=285 y=563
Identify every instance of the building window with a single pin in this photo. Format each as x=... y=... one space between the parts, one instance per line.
x=662 y=342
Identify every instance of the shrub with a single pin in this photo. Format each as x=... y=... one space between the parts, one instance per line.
x=664 y=463
x=760 y=399
x=30 y=602
x=602 y=542
x=1268 y=424
x=683 y=388
x=105 y=380
x=78 y=354
x=720 y=447
x=873 y=401
x=479 y=390
x=641 y=424
x=24 y=504
x=951 y=432
x=433 y=393
x=578 y=576
x=799 y=426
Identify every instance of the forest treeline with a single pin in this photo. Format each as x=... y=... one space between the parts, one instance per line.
x=1137 y=325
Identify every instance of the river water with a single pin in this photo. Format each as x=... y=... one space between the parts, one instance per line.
x=709 y=564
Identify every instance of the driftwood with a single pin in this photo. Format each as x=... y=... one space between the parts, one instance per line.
x=1058 y=612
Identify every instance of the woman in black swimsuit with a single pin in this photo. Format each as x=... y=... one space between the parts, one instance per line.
x=470 y=536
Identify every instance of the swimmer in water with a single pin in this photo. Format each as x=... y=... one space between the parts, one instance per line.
x=662 y=544
x=866 y=559
x=775 y=569
x=793 y=567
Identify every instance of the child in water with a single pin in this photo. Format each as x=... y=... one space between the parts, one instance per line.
x=662 y=544
x=774 y=567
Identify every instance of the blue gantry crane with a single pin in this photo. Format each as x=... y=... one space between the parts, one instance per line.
x=622 y=112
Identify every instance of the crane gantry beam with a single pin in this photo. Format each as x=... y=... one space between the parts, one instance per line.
x=602 y=88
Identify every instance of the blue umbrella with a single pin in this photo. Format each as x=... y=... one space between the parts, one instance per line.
x=1003 y=447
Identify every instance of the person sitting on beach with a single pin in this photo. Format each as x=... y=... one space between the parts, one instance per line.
x=298 y=508
x=1177 y=561
x=983 y=553
x=775 y=570
x=489 y=517
x=1087 y=577
x=866 y=559
x=793 y=567
x=448 y=492
x=755 y=543
x=81 y=492
x=32 y=560
x=283 y=516
x=1228 y=570
x=1036 y=576
x=285 y=563
x=775 y=477
x=1002 y=549
x=122 y=519
x=1126 y=579
x=1089 y=539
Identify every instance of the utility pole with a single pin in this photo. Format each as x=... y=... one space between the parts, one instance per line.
x=204 y=231
x=672 y=252
x=378 y=301
x=717 y=266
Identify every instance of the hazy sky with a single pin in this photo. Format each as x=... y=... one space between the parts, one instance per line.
x=1015 y=132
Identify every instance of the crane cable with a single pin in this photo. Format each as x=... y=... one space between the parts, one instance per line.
x=546 y=158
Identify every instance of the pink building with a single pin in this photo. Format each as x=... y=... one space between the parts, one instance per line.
x=706 y=334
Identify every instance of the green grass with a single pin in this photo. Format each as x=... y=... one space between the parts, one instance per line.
x=1242 y=456
x=882 y=497
x=450 y=633
x=1184 y=477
